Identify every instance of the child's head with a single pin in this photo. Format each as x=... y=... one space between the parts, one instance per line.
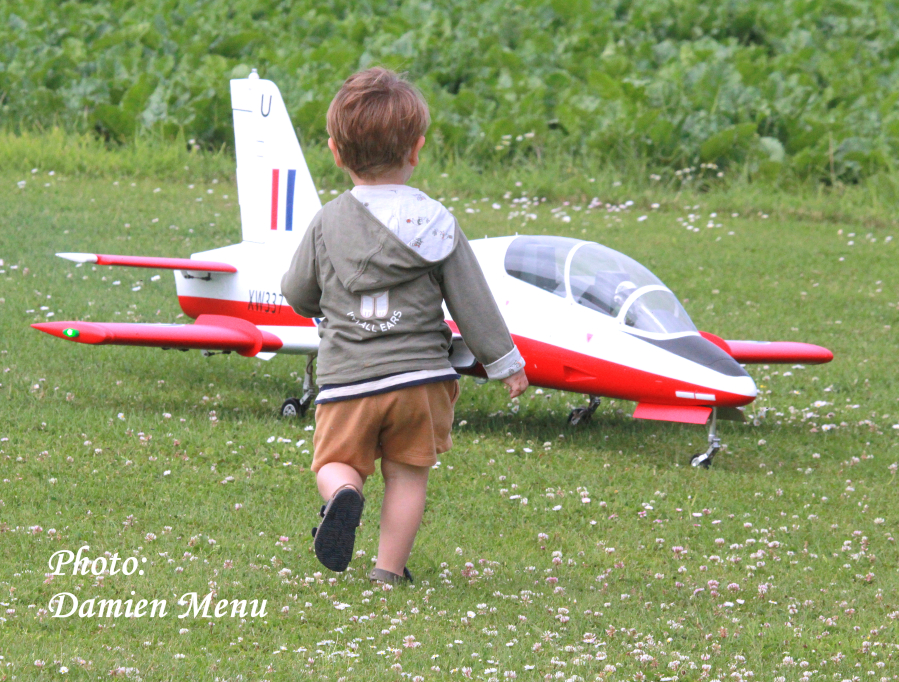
x=376 y=121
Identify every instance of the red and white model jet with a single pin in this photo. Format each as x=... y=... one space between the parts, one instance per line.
x=616 y=329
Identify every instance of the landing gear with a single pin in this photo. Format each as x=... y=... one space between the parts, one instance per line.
x=292 y=408
x=297 y=407
x=583 y=414
x=704 y=459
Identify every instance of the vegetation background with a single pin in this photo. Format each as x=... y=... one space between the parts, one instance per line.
x=805 y=86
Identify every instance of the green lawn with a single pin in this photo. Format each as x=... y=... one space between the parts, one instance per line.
x=546 y=551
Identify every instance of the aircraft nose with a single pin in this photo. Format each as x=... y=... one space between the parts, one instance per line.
x=703 y=352
x=725 y=364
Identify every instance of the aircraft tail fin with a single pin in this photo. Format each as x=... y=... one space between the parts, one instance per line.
x=275 y=190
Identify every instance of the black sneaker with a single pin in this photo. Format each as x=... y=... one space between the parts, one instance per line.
x=336 y=534
x=322 y=514
x=379 y=575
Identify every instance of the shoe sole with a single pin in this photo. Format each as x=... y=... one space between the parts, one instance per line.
x=379 y=575
x=336 y=534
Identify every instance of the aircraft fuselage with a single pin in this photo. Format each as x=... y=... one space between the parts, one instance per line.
x=566 y=345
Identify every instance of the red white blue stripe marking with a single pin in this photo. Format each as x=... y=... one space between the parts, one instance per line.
x=275 y=183
x=288 y=203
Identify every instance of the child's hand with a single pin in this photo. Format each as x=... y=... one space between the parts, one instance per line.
x=517 y=383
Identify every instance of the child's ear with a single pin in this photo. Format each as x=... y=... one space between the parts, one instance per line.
x=413 y=156
x=333 y=147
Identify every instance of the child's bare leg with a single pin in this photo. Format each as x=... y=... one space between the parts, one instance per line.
x=405 y=487
x=335 y=475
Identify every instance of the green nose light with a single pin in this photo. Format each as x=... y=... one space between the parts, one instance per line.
x=71 y=333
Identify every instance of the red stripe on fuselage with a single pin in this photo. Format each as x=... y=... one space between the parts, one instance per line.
x=557 y=368
x=277 y=313
x=275 y=174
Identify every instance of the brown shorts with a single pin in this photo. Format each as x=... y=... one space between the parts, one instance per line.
x=410 y=426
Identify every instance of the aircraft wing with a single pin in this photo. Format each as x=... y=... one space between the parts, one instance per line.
x=149 y=262
x=778 y=352
x=772 y=352
x=209 y=332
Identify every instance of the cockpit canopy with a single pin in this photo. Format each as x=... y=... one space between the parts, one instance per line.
x=598 y=278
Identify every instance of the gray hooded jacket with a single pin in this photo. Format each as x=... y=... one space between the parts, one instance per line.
x=381 y=302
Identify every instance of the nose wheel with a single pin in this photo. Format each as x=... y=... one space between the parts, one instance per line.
x=583 y=414
x=704 y=459
x=297 y=407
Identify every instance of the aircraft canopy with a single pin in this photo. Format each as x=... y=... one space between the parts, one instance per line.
x=600 y=279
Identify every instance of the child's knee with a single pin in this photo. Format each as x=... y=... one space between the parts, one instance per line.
x=394 y=471
x=340 y=472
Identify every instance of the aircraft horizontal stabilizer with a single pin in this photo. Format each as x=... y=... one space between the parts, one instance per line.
x=683 y=414
x=210 y=332
x=778 y=352
x=149 y=262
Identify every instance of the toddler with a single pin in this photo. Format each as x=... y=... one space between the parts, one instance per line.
x=376 y=264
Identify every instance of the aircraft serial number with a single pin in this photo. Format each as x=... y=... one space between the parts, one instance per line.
x=265 y=301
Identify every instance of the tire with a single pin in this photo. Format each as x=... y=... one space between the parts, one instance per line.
x=705 y=463
x=291 y=408
x=579 y=415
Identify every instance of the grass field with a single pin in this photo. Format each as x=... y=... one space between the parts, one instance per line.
x=546 y=551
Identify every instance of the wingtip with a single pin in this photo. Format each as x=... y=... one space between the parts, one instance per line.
x=779 y=352
x=79 y=257
x=79 y=332
x=51 y=328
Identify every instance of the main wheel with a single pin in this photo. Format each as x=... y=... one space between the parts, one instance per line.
x=292 y=408
x=578 y=415
x=701 y=459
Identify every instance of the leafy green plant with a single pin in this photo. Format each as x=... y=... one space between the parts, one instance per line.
x=675 y=83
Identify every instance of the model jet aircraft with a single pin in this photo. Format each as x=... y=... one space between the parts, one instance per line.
x=616 y=330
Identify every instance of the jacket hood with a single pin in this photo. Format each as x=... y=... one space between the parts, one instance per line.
x=365 y=254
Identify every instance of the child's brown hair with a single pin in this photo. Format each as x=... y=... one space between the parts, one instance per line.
x=375 y=120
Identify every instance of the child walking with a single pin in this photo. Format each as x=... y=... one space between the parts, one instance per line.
x=376 y=265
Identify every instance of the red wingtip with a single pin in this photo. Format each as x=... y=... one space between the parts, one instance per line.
x=779 y=352
x=80 y=332
x=51 y=328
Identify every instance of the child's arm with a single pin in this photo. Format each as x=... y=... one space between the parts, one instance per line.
x=300 y=284
x=474 y=310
